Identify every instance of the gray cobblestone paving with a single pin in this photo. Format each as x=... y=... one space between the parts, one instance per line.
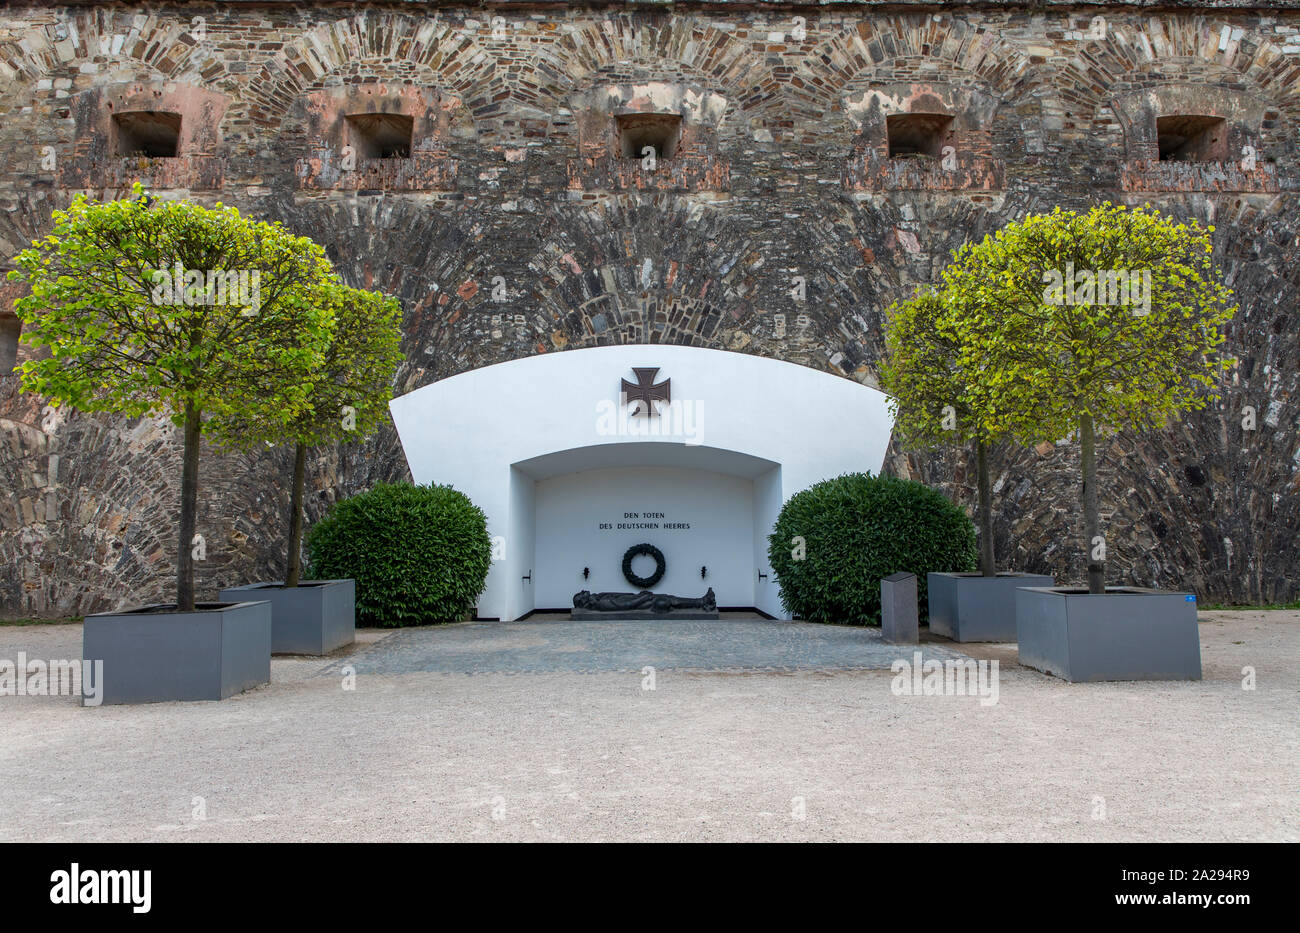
x=548 y=646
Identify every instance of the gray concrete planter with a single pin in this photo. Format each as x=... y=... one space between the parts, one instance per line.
x=156 y=654
x=973 y=607
x=315 y=617
x=1128 y=633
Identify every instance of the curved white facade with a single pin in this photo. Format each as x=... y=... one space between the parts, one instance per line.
x=548 y=448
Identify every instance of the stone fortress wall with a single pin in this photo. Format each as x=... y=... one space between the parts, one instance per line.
x=491 y=189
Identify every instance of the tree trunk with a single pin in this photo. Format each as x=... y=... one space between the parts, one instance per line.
x=189 y=510
x=1094 y=543
x=985 y=487
x=295 y=516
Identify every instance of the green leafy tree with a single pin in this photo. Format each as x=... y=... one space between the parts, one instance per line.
x=928 y=387
x=348 y=396
x=1109 y=319
x=155 y=307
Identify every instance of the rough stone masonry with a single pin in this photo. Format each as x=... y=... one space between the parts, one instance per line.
x=818 y=161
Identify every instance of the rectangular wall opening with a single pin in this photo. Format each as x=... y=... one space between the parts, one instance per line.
x=1191 y=138
x=659 y=132
x=154 y=134
x=380 y=135
x=917 y=135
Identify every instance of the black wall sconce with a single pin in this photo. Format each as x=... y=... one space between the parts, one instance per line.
x=586 y=572
x=761 y=575
x=529 y=576
x=704 y=572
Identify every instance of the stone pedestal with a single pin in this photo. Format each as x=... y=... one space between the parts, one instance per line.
x=632 y=615
x=898 y=612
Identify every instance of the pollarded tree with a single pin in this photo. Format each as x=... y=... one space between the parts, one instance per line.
x=929 y=390
x=348 y=395
x=1088 y=321
x=166 y=307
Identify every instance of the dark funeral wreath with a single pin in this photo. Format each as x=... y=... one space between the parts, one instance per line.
x=635 y=551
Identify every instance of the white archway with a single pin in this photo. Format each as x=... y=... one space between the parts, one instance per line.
x=738 y=436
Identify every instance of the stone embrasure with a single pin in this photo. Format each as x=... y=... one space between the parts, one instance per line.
x=515 y=226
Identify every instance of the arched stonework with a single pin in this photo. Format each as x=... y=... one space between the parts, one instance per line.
x=678 y=49
x=333 y=159
x=1224 y=57
x=437 y=268
x=695 y=114
x=867 y=47
x=639 y=270
x=425 y=68
x=94 y=161
x=891 y=66
x=170 y=43
x=1151 y=49
x=414 y=44
x=963 y=159
x=1246 y=162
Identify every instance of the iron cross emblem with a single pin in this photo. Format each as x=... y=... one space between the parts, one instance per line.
x=646 y=390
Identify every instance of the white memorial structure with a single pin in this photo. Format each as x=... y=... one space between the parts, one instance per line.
x=577 y=456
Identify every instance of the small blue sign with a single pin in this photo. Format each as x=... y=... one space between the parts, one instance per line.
x=1191 y=599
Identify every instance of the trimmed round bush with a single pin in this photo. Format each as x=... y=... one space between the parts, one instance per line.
x=418 y=554
x=833 y=542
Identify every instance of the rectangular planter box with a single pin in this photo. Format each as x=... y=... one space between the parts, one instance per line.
x=315 y=617
x=1129 y=633
x=973 y=607
x=216 y=651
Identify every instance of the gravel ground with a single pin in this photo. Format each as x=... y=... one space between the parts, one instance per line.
x=703 y=756
x=735 y=643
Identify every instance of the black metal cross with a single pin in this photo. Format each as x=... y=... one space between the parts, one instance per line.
x=645 y=390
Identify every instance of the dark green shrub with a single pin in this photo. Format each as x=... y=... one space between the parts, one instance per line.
x=856 y=529
x=419 y=554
